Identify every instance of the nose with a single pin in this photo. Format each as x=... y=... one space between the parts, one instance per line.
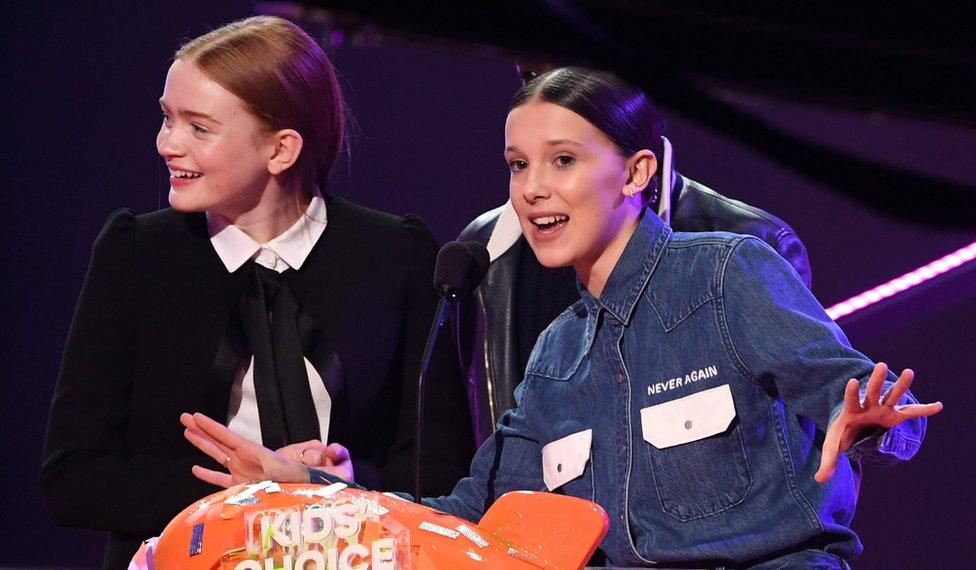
x=168 y=144
x=536 y=187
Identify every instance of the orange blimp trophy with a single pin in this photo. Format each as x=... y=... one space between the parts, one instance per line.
x=271 y=526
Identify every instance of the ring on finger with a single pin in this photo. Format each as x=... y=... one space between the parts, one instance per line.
x=227 y=460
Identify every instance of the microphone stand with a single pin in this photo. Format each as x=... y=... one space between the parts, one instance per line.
x=448 y=297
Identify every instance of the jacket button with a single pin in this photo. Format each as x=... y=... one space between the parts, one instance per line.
x=619 y=377
x=688 y=424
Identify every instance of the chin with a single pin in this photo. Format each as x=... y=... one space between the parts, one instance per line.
x=551 y=257
x=183 y=201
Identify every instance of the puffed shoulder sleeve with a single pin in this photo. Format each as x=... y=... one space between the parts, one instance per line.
x=89 y=477
x=423 y=239
x=88 y=409
x=779 y=331
x=108 y=289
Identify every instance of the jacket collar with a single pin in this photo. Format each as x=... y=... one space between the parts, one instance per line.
x=632 y=271
x=506 y=232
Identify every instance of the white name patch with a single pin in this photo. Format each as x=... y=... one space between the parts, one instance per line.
x=679 y=381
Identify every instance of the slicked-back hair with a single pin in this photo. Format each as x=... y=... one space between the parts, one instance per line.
x=625 y=114
x=285 y=80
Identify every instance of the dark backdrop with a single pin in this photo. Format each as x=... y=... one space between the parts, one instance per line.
x=79 y=121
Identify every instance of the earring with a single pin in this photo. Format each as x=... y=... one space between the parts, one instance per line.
x=629 y=192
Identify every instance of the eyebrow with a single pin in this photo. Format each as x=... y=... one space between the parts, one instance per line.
x=189 y=113
x=563 y=141
x=554 y=142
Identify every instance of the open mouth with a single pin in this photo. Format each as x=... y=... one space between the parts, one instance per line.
x=185 y=174
x=550 y=223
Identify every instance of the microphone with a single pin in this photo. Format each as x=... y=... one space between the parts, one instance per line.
x=460 y=268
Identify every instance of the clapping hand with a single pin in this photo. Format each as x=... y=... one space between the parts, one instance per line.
x=247 y=462
x=333 y=458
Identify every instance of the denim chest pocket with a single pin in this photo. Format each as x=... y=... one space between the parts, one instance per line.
x=696 y=451
x=566 y=465
x=561 y=366
x=565 y=459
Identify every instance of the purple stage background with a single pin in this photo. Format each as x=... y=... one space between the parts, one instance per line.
x=80 y=121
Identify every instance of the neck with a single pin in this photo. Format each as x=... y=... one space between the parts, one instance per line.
x=594 y=272
x=273 y=213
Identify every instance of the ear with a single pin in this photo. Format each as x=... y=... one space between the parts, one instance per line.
x=286 y=146
x=640 y=168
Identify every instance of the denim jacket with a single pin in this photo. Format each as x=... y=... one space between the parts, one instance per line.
x=488 y=320
x=690 y=400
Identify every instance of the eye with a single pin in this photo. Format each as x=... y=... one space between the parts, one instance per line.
x=198 y=129
x=517 y=165
x=564 y=161
x=167 y=120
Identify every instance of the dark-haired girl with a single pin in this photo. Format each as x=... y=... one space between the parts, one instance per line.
x=697 y=391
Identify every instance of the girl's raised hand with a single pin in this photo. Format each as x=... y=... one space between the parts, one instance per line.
x=875 y=412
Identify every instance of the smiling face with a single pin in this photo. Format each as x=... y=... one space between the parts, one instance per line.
x=216 y=151
x=572 y=189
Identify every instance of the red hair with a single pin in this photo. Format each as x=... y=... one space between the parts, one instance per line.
x=286 y=81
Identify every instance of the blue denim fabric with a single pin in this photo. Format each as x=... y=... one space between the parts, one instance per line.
x=681 y=314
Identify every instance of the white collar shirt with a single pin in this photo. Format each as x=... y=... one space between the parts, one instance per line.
x=286 y=251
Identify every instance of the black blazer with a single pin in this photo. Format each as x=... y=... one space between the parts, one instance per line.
x=149 y=341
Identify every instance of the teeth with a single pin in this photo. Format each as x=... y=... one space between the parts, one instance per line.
x=185 y=174
x=549 y=220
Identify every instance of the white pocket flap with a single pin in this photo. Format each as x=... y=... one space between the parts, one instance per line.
x=687 y=419
x=565 y=459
